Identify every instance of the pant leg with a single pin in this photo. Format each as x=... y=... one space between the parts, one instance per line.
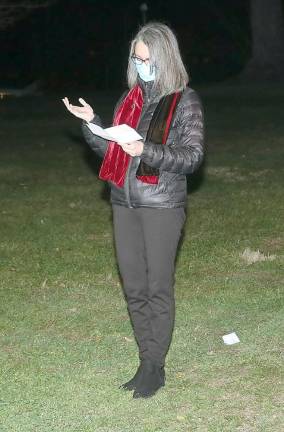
x=162 y=229
x=130 y=250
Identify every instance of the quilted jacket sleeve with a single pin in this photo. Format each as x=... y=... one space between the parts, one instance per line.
x=98 y=144
x=185 y=154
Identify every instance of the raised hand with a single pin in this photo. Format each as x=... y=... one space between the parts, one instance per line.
x=84 y=112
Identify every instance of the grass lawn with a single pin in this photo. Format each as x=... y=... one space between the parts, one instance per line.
x=66 y=342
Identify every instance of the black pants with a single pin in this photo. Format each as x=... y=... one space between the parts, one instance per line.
x=146 y=243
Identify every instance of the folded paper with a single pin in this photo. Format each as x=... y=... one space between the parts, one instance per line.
x=230 y=339
x=121 y=134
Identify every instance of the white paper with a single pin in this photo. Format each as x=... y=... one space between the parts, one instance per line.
x=230 y=339
x=121 y=133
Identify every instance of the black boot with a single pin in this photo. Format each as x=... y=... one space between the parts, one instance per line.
x=152 y=378
x=131 y=384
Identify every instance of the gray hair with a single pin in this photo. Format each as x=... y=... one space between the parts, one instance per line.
x=171 y=75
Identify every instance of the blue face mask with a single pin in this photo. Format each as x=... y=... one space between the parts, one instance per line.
x=146 y=71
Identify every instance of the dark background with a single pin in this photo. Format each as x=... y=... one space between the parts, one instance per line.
x=86 y=42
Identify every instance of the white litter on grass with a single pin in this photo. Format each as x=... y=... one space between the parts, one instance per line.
x=230 y=339
x=251 y=257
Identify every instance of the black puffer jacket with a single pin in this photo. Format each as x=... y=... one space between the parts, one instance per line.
x=182 y=154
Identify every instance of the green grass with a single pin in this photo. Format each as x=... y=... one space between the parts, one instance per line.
x=66 y=342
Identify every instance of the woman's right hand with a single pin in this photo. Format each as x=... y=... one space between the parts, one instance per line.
x=84 y=112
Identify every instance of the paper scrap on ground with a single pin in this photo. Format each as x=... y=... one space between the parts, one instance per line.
x=230 y=339
x=121 y=133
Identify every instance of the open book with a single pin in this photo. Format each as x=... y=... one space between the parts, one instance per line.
x=121 y=134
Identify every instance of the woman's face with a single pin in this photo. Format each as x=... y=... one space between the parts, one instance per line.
x=141 y=51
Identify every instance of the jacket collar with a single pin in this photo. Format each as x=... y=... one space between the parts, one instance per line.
x=147 y=88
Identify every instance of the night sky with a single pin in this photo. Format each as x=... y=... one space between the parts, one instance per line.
x=86 y=42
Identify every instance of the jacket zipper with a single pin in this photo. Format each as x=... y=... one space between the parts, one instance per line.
x=126 y=182
x=126 y=185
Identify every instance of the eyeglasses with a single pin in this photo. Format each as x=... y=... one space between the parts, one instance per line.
x=139 y=61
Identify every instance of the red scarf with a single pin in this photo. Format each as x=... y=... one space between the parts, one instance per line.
x=116 y=161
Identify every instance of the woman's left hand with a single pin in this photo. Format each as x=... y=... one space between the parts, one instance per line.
x=134 y=148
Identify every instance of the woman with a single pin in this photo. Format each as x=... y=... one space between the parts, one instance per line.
x=148 y=189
